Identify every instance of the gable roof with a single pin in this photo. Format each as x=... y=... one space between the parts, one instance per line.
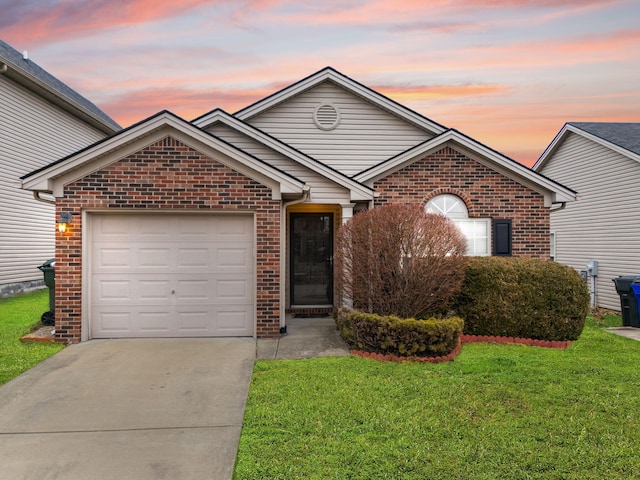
x=553 y=192
x=33 y=77
x=621 y=137
x=357 y=88
x=357 y=189
x=53 y=177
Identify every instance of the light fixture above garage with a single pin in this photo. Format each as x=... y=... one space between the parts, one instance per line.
x=64 y=221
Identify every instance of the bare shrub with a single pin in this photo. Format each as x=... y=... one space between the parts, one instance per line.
x=399 y=260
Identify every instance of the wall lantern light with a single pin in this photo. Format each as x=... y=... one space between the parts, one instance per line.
x=64 y=221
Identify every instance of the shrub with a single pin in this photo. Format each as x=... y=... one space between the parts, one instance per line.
x=522 y=297
x=399 y=260
x=391 y=335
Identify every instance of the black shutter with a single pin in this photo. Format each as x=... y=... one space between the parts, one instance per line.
x=502 y=237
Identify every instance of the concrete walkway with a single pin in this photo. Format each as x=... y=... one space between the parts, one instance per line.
x=142 y=409
x=128 y=409
x=629 y=332
x=305 y=338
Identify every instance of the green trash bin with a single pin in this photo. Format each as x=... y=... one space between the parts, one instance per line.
x=48 y=269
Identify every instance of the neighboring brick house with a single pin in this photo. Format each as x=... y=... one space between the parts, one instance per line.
x=223 y=225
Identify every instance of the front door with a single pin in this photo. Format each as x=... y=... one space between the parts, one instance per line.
x=311 y=262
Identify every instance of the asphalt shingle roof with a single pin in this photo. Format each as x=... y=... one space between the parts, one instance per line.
x=625 y=135
x=15 y=60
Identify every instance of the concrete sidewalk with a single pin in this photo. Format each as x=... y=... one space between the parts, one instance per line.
x=305 y=338
x=128 y=409
x=629 y=332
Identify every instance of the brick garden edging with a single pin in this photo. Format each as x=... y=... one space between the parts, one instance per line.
x=560 y=344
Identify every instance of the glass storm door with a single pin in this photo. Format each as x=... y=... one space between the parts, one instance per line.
x=311 y=263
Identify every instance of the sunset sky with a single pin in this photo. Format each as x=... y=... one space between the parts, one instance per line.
x=507 y=73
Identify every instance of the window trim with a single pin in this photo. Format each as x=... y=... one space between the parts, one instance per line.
x=457 y=218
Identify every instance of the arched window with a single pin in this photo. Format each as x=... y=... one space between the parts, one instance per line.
x=476 y=230
x=450 y=206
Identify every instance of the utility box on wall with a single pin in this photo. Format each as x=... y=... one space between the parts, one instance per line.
x=592 y=268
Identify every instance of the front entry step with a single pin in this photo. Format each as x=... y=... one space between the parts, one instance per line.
x=309 y=311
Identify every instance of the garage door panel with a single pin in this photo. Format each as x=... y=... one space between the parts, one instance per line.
x=231 y=320
x=232 y=258
x=112 y=323
x=154 y=290
x=232 y=290
x=156 y=258
x=233 y=229
x=169 y=275
x=111 y=290
x=194 y=290
x=195 y=319
x=113 y=258
x=153 y=321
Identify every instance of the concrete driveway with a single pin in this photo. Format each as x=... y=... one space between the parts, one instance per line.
x=128 y=409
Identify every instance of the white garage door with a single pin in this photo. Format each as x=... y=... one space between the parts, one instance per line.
x=171 y=275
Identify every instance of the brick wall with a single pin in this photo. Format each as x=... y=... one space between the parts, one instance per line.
x=167 y=175
x=487 y=194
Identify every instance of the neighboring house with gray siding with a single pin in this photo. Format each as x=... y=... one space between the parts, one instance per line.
x=41 y=120
x=601 y=161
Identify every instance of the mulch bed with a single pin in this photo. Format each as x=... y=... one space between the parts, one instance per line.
x=42 y=334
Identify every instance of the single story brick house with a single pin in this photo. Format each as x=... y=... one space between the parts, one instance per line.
x=223 y=225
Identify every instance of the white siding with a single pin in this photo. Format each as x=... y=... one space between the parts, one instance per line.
x=33 y=133
x=365 y=136
x=604 y=224
x=322 y=189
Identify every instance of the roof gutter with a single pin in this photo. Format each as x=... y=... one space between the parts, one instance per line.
x=306 y=193
x=561 y=207
x=3 y=67
x=36 y=195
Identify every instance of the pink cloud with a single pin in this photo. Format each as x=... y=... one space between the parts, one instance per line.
x=406 y=93
x=31 y=21
x=390 y=12
x=134 y=106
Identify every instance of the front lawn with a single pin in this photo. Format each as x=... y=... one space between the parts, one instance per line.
x=496 y=412
x=17 y=316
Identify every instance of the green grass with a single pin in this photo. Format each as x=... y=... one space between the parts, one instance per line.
x=496 y=412
x=17 y=316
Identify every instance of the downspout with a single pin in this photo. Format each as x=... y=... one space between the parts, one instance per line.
x=561 y=207
x=3 y=67
x=36 y=195
x=306 y=191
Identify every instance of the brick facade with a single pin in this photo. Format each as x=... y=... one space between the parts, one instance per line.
x=170 y=176
x=486 y=193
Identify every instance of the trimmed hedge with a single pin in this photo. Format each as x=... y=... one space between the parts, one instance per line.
x=391 y=335
x=522 y=297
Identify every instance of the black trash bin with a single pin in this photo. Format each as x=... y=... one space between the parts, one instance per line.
x=628 y=301
x=48 y=269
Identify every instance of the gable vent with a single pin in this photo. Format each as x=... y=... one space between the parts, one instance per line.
x=326 y=116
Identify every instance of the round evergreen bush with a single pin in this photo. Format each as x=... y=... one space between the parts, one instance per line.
x=522 y=297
